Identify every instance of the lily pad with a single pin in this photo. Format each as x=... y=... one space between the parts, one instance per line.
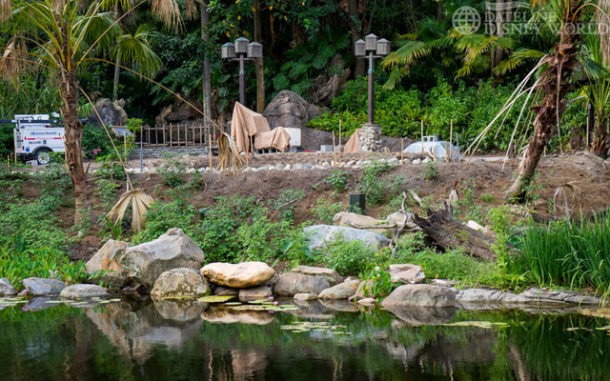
x=478 y=324
x=216 y=298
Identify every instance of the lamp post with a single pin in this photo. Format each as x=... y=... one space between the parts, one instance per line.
x=371 y=48
x=242 y=50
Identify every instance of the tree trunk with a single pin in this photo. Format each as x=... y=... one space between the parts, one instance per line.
x=601 y=139
x=115 y=82
x=207 y=72
x=356 y=32
x=258 y=63
x=73 y=138
x=452 y=234
x=554 y=83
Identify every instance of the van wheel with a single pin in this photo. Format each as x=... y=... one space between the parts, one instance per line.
x=43 y=156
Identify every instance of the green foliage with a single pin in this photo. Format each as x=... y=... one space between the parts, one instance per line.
x=163 y=216
x=263 y=240
x=286 y=201
x=174 y=173
x=430 y=172
x=338 y=180
x=380 y=282
x=19 y=261
x=348 y=257
x=325 y=210
x=573 y=254
x=371 y=183
x=96 y=142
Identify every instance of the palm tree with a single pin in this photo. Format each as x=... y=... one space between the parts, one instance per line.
x=65 y=36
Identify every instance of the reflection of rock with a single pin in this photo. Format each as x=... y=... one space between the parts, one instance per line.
x=43 y=287
x=83 y=291
x=418 y=316
x=305 y=297
x=179 y=310
x=423 y=295
x=241 y=275
x=37 y=304
x=290 y=284
x=311 y=309
x=6 y=288
x=340 y=305
x=179 y=284
x=246 y=363
x=224 y=315
x=134 y=333
x=340 y=291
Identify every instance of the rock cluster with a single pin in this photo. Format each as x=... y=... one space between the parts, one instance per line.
x=370 y=138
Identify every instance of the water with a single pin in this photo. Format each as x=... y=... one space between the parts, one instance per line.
x=167 y=341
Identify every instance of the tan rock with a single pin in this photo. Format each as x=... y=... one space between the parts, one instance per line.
x=407 y=274
x=241 y=275
x=182 y=283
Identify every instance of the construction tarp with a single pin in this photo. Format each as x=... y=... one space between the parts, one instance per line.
x=248 y=125
x=438 y=149
x=353 y=144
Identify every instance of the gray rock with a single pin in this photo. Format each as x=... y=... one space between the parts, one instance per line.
x=290 y=284
x=84 y=291
x=480 y=295
x=6 y=288
x=288 y=109
x=305 y=297
x=254 y=293
x=226 y=291
x=42 y=287
x=341 y=291
x=416 y=161
x=320 y=235
x=426 y=160
x=298 y=166
x=330 y=274
x=174 y=249
x=407 y=274
x=307 y=166
x=421 y=295
x=181 y=283
x=241 y=275
x=536 y=295
x=108 y=261
x=367 y=302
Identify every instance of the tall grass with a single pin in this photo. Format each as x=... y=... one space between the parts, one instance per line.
x=569 y=254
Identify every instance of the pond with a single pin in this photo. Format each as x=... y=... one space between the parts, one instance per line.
x=118 y=340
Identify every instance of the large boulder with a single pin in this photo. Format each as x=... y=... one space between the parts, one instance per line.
x=319 y=236
x=290 y=284
x=331 y=275
x=109 y=112
x=6 y=288
x=421 y=295
x=83 y=291
x=42 y=286
x=407 y=274
x=182 y=283
x=289 y=109
x=241 y=275
x=106 y=263
x=340 y=291
x=123 y=265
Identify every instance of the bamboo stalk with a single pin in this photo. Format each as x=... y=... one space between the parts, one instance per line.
x=333 y=148
x=451 y=142
x=402 y=149
x=340 y=141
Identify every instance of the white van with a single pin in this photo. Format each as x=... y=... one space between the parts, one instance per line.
x=36 y=137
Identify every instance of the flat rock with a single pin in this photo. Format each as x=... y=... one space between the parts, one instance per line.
x=241 y=275
x=290 y=284
x=6 y=288
x=407 y=274
x=305 y=297
x=319 y=236
x=330 y=274
x=181 y=283
x=254 y=293
x=421 y=295
x=341 y=291
x=84 y=291
x=225 y=291
x=42 y=286
x=480 y=295
x=367 y=302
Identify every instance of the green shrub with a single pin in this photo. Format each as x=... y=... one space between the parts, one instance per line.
x=430 y=172
x=348 y=257
x=338 y=180
x=284 y=204
x=371 y=184
x=262 y=240
x=380 y=282
x=163 y=216
x=174 y=174
x=325 y=211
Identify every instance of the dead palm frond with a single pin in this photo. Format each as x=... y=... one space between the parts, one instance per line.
x=566 y=199
x=228 y=154
x=139 y=201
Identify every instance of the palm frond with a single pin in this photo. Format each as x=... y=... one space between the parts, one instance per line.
x=516 y=59
x=139 y=201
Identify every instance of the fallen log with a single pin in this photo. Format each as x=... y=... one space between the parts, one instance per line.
x=450 y=233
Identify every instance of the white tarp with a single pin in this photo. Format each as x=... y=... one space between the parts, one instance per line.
x=439 y=149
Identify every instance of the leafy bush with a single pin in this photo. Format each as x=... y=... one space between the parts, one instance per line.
x=338 y=180
x=286 y=201
x=163 y=216
x=371 y=184
x=325 y=211
x=174 y=174
x=380 y=282
x=348 y=257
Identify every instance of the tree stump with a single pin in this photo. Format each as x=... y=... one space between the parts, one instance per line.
x=450 y=233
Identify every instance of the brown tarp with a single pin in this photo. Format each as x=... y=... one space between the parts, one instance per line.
x=247 y=123
x=353 y=144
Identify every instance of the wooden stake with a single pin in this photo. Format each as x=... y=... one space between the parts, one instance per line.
x=402 y=149
x=340 y=141
x=422 y=136
x=451 y=142
x=210 y=148
x=333 y=148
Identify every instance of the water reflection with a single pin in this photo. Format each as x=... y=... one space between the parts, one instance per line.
x=318 y=340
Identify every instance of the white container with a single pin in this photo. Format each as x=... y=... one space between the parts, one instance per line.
x=295 y=136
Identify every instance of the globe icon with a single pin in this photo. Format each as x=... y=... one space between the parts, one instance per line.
x=466 y=20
